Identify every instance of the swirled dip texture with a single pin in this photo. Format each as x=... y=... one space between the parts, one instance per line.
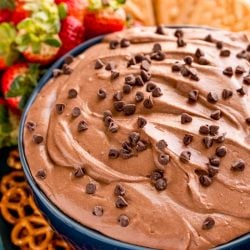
x=175 y=165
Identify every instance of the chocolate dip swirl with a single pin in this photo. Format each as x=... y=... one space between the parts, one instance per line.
x=145 y=137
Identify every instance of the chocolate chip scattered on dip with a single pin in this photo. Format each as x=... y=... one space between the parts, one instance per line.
x=145 y=137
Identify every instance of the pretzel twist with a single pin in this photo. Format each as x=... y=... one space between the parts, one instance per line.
x=13 y=160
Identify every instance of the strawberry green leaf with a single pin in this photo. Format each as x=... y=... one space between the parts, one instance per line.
x=62 y=10
x=17 y=87
x=3 y=114
x=7 y=4
x=36 y=47
x=53 y=42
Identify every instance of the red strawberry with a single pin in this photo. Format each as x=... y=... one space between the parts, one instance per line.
x=19 y=12
x=75 y=8
x=8 y=79
x=5 y=15
x=71 y=34
x=18 y=82
x=99 y=22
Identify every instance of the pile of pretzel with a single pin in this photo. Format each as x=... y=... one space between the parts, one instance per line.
x=30 y=229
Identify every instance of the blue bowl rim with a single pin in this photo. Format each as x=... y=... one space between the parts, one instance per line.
x=38 y=192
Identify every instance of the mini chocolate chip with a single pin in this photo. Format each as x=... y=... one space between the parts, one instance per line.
x=99 y=64
x=239 y=70
x=139 y=96
x=178 y=33
x=205 y=180
x=246 y=80
x=31 y=126
x=238 y=166
x=72 y=93
x=212 y=171
x=214 y=161
x=114 y=75
x=226 y=93
x=220 y=138
x=181 y=42
x=119 y=190
x=131 y=62
x=130 y=80
x=248 y=48
x=79 y=172
x=213 y=130
x=248 y=121
x=212 y=97
x=126 y=89
x=82 y=126
x=139 y=58
x=209 y=38
x=156 y=175
x=185 y=71
x=67 y=70
x=176 y=67
x=75 y=112
x=219 y=45
x=139 y=81
x=163 y=159
x=145 y=75
x=57 y=72
x=156 y=47
x=126 y=154
x=123 y=220
x=141 y=122
x=125 y=43
x=102 y=94
x=208 y=223
x=60 y=108
x=121 y=202
x=228 y=71
x=207 y=141
x=37 y=139
x=150 y=87
x=160 y=184
x=187 y=139
x=134 y=137
x=98 y=211
x=148 y=103
x=200 y=171
x=199 y=53
x=157 y=92
x=204 y=130
x=203 y=61
x=141 y=146
x=188 y=60
x=90 y=188
x=160 y=30
x=110 y=66
x=158 y=56
x=161 y=144
x=242 y=91
x=118 y=96
x=113 y=127
x=108 y=120
x=145 y=65
x=119 y=106
x=113 y=44
x=186 y=118
x=225 y=53
x=185 y=156
x=216 y=115
x=127 y=145
x=69 y=59
x=113 y=153
x=221 y=151
x=193 y=96
x=194 y=77
x=129 y=109
x=107 y=113
x=41 y=174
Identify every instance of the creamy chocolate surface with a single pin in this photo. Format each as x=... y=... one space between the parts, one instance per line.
x=176 y=166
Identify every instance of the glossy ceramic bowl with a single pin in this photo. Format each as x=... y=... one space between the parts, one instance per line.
x=81 y=236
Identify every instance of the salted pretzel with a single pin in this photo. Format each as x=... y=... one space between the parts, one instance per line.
x=14 y=179
x=32 y=232
x=15 y=204
x=59 y=243
x=13 y=160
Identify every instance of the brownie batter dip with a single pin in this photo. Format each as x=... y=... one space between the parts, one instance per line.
x=145 y=137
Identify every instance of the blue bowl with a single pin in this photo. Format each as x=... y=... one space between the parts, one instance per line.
x=81 y=236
